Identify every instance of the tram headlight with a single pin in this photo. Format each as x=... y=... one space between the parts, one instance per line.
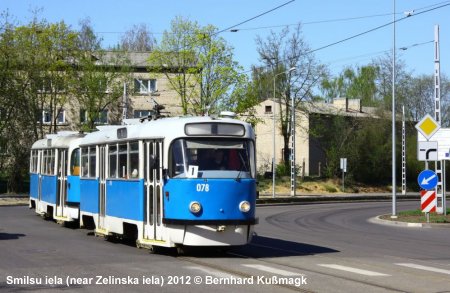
x=195 y=207
x=245 y=206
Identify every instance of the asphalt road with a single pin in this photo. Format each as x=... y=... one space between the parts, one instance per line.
x=309 y=248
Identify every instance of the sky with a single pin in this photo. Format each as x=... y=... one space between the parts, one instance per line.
x=324 y=22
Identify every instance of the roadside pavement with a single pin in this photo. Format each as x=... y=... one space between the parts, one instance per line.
x=265 y=199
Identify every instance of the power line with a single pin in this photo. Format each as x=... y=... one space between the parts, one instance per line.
x=250 y=19
x=284 y=25
x=341 y=19
x=404 y=48
x=228 y=28
x=377 y=28
x=447 y=3
x=317 y=22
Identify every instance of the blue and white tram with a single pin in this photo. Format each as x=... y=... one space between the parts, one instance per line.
x=171 y=182
x=54 y=176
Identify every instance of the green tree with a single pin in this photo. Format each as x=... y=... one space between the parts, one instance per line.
x=283 y=51
x=335 y=135
x=175 y=57
x=199 y=66
x=353 y=84
x=100 y=77
x=220 y=79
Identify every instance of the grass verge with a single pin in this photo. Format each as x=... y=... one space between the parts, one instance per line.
x=416 y=216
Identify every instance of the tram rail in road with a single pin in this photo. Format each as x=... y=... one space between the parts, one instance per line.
x=315 y=248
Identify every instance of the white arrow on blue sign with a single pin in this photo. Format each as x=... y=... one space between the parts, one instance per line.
x=427 y=179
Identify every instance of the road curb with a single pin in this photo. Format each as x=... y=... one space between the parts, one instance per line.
x=265 y=200
x=378 y=220
x=19 y=199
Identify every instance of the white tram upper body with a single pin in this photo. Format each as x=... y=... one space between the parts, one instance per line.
x=171 y=182
x=54 y=176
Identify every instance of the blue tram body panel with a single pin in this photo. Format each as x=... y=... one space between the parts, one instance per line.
x=34 y=185
x=89 y=189
x=73 y=189
x=125 y=199
x=49 y=188
x=220 y=198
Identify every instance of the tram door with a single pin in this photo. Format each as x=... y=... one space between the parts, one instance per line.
x=62 y=182
x=102 y=184
x=40 y=162
x=153 y=228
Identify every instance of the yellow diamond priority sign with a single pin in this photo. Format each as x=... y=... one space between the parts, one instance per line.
x=427 y=126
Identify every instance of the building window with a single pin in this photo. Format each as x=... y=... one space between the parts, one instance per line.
x=102 y=117
x=268 y=109
x=141 y=113
x=145 y=86
x=61 y=118
x=46 y=116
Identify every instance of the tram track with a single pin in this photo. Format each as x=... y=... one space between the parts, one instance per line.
x=305 y=270
x=198 y=261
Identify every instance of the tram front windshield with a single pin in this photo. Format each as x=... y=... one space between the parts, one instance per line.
x=212 y=158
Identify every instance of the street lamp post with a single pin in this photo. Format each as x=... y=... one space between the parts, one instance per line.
x=394 y=197
x=274 y=123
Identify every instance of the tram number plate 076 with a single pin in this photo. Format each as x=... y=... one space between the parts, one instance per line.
x=202 y=187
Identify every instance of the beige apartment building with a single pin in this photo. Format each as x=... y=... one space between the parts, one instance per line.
x=308 y=153
x=150 y=87
x=146 y=88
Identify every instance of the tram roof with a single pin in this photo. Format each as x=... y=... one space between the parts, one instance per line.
x=169 y=128
x=59 y=140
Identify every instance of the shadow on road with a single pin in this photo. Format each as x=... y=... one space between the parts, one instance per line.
x=262 y=247
x=10 y=236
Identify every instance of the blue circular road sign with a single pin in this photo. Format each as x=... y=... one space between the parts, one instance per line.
x=427 y=179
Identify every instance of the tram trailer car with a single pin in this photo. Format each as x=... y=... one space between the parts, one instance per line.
x=171 y=182
x=54 y=176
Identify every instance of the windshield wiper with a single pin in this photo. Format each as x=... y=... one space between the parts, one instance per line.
x=243 y=165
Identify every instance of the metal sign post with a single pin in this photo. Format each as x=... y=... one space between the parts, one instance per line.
x=344 y=169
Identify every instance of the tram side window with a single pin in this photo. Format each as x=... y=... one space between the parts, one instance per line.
x=92 y=161
x=88 y=162
x=123 y=161
x=44 y=162
x=48 y=165
x=134 y=160
x=34 y=161
x=84 y=162
x=112 y=161
x=51 y=168
x=75 y=162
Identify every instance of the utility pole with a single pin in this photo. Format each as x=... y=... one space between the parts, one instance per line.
x=439 y=165
x=403 y=152
x=124 y=103
x=293 y=173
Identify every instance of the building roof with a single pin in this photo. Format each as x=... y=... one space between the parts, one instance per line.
x=138 y=60
x=339 y=107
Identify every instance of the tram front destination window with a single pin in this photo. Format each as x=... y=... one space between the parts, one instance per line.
x=213 y=158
